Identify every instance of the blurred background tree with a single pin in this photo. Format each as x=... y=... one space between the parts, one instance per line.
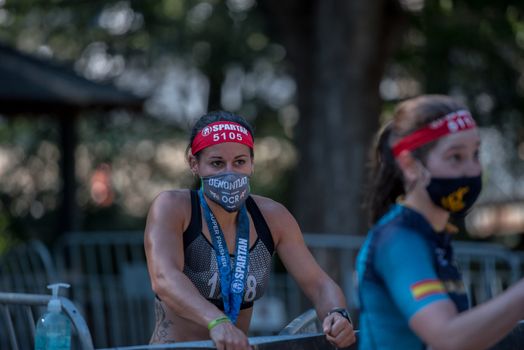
x=188 y=56
x=338 y=51
x=314 y=77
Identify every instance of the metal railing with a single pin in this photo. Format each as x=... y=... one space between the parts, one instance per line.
x=27 y=268
x=279 y=342
x=18 y=314
x=487 y=268
x=308 y=323
x=111 y=286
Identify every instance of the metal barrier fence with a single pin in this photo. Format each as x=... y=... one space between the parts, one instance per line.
x=487 y=268
x=18 y=315
x=110 y=284
x=308 y=323
x=27 y=268
x=111 y=287
x=314 y=341
x=302 y=333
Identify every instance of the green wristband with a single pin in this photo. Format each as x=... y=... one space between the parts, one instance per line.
x=217 y=321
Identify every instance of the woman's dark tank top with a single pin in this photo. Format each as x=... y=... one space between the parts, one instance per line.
x=200 y=264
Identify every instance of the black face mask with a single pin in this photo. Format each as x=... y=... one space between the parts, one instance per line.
x=456 y=195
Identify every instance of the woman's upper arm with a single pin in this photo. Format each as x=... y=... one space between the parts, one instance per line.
x=163 y=240
x=404 y=262
x=429 y=323
x=291 y=248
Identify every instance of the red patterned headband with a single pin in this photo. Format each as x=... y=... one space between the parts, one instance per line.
x=220 y=132
x=451 y=123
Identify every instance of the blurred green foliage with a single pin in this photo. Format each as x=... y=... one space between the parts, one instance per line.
x=468 y=48
x=145 y=152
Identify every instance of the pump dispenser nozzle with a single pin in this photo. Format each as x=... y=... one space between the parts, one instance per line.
x=54 y=304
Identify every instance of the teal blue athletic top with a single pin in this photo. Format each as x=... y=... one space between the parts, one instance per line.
x=403 y=266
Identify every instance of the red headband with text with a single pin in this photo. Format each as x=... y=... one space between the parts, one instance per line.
x=220 y=132
x=448 y=124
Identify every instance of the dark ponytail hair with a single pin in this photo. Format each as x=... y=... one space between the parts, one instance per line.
x=386 y=177
x=387 y=182
x=217 y=116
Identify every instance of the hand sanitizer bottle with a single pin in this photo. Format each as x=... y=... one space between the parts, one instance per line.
x=53 y=329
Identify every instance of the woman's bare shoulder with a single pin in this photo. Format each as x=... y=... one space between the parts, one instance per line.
x=268 y=206
x=276 y=214
x=171 y=208
x=173 y=197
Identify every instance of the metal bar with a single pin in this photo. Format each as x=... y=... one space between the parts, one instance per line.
x=10 y=328
x=81 y=327
x=31 y=320
x=28 y=300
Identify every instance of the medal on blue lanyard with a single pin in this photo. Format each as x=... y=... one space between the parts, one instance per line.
x=232 y=282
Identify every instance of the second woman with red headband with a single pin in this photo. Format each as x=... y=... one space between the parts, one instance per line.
x=209 y=251
x=411 y=293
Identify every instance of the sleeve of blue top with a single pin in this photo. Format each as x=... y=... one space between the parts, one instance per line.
x=404 y=260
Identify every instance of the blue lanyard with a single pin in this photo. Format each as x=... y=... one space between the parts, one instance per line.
x=232 y=282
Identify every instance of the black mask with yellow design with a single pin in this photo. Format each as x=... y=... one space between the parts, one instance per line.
x=456 y=195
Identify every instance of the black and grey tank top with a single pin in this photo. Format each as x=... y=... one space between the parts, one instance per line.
x=200 y=264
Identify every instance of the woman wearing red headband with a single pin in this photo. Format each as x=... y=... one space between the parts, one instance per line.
x=411 y=293
x=209 y=251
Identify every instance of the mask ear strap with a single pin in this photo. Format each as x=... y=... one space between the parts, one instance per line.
x=410 y=187
x=426 y=174
x=425 y=177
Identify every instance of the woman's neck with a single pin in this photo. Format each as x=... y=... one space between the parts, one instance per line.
x=420 y=202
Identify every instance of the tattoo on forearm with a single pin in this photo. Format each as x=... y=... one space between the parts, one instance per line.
x=161 y=332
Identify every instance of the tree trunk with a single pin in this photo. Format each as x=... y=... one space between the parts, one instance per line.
x=339 y=50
